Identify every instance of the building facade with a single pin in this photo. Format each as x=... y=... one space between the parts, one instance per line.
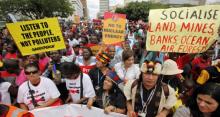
x=78 y=7
x=104 y=6
x=85 y=8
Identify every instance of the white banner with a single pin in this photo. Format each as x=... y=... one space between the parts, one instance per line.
x=72 y=110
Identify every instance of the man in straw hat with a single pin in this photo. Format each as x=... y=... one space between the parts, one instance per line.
x=148 y=96
x=170 y=72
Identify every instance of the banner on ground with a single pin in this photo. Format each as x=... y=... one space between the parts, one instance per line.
x=73 y=110
x=183 y=30
x=114 y=28
x=36 y=36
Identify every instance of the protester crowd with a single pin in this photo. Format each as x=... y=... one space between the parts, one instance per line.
x=123 y=78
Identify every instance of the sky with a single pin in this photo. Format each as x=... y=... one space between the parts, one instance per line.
x=93 y=8
x=93 y=5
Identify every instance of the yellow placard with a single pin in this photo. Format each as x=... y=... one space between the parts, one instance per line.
x=36 y=36
x=114 y=28
x=76 y=19
x=183 y=30
x=95 y=49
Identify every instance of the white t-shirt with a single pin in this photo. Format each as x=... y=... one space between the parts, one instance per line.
x=132 y=72
x=5 y=95
x=73 y=42
x=79 y=61
x=85 y=68
x=74 y=88
x=42 y=92
x=140 y=31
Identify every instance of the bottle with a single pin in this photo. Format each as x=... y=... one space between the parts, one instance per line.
x=56 y=74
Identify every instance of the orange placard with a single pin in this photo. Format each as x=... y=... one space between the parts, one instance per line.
x=114 y=28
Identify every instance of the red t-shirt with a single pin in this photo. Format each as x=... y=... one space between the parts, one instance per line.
x=11 y=56
x=183 y=60
x=5 y=74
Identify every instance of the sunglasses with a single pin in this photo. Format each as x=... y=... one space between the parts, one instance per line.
x=31 y=72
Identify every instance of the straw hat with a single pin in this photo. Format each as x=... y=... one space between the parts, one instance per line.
x=170 y=68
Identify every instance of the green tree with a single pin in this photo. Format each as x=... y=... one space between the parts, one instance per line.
x=36 y=9
x=120 y=10
x=139 y=10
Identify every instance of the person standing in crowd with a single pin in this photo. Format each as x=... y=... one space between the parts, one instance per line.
x=93 y=40
x=148 y=96
x=78 y=83
x=6 y=91
x=217 y=44
x=131 y=36
x=11 y=70
x=200 y=63
x=138 y=51
x=44 y=60
x=53 y=72
x=109 y=96
x=34 y=58
x=76 y=50
x=112 y=54
x=210 y=74
x=170 y=75
x=119 y=50
x=11 y=51
x=87 y=61
x=127 y=70
x=72 y=39
x=102 y=67
x=68 y=54
x=38 y=91
x=69 y=50
x=203 y=103
x=170 y=71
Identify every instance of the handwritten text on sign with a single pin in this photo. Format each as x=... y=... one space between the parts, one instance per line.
x=37 y=36
x=114 y=28
x=183 y=30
